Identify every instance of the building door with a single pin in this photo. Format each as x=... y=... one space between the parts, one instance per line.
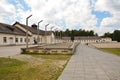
x=11 y=41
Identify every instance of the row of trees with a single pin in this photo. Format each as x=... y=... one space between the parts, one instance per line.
x=80 y=32
x=115 y=35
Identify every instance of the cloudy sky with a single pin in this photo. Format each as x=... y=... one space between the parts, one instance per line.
x=98 y=15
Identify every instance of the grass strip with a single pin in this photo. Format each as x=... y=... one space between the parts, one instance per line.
x=115 y=51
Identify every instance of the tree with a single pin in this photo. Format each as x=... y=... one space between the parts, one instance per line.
x=96 y=34
x=108 y=35
x=116 y=35
x=67 y=32
x=91 y=33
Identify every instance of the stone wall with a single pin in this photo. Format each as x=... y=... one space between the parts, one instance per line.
x=106 y=45
x=60 y=48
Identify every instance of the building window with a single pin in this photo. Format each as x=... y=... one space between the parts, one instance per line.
x=4 y=40
x=21 y=39
x=11 y=40
x=16 y=40
x=24 y=39
x=34 y=39
x=28 y=40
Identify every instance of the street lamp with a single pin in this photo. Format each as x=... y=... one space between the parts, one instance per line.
x=27 y=31
x=51 y=33
x=46 y=33
x=38 y=39
x=60 y=31
x=55 y=34
x=59 y=35
x=52 y=28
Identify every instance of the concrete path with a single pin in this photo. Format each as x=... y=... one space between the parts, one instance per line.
x=91 y=64
x=6 y=51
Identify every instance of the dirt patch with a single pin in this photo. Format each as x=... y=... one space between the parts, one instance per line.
x=60 y=63
x=28 y=58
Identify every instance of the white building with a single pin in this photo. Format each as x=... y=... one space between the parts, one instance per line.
x=92 y=39
x=16 y=34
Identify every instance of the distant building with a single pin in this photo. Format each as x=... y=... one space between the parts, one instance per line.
x=90 y=39
x=16 y=34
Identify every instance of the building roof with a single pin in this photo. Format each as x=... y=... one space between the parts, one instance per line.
x=33 y=30
x=87 y=38
x=82 y=38
x=9 y=29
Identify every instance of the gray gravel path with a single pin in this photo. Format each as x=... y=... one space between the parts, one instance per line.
x=91 y=64
x=6 y=51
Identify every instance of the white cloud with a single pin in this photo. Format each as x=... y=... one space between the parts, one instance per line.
x=72 y=12
x=61 y=13
x=6 y=10
x=110 y=23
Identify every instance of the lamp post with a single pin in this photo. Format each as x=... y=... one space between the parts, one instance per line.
x=51 y=33
x=56 y=34
x=38 y=39
x=27 y=31
x=60 y=35
x=46 y=33
x=52 y=28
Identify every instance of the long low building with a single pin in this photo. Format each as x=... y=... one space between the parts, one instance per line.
x=16 y=34
x=89 y=39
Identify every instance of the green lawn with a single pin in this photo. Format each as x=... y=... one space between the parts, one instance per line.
x=49 y=68
x=115 y=51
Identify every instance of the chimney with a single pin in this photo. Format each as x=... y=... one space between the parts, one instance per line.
x=34 y=26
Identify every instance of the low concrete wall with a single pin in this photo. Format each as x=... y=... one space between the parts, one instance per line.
x=74 y=47
x=105 y=45
x=52 y=49
x=49 y=50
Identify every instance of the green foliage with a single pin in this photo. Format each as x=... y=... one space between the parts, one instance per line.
x=80 y=32
x=8 y=62
x=10 y=68
x=115 y=35
x=115 y=51
x=108 y=35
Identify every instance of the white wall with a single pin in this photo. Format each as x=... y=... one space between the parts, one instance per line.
x=11 y=39
x=35 y=36
x=48 y=39
x=106 y=40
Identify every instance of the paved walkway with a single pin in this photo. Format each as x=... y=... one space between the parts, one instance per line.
x=91 y=64
x=6 y=51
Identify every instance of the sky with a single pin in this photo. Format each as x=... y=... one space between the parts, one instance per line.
x=98 y=15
